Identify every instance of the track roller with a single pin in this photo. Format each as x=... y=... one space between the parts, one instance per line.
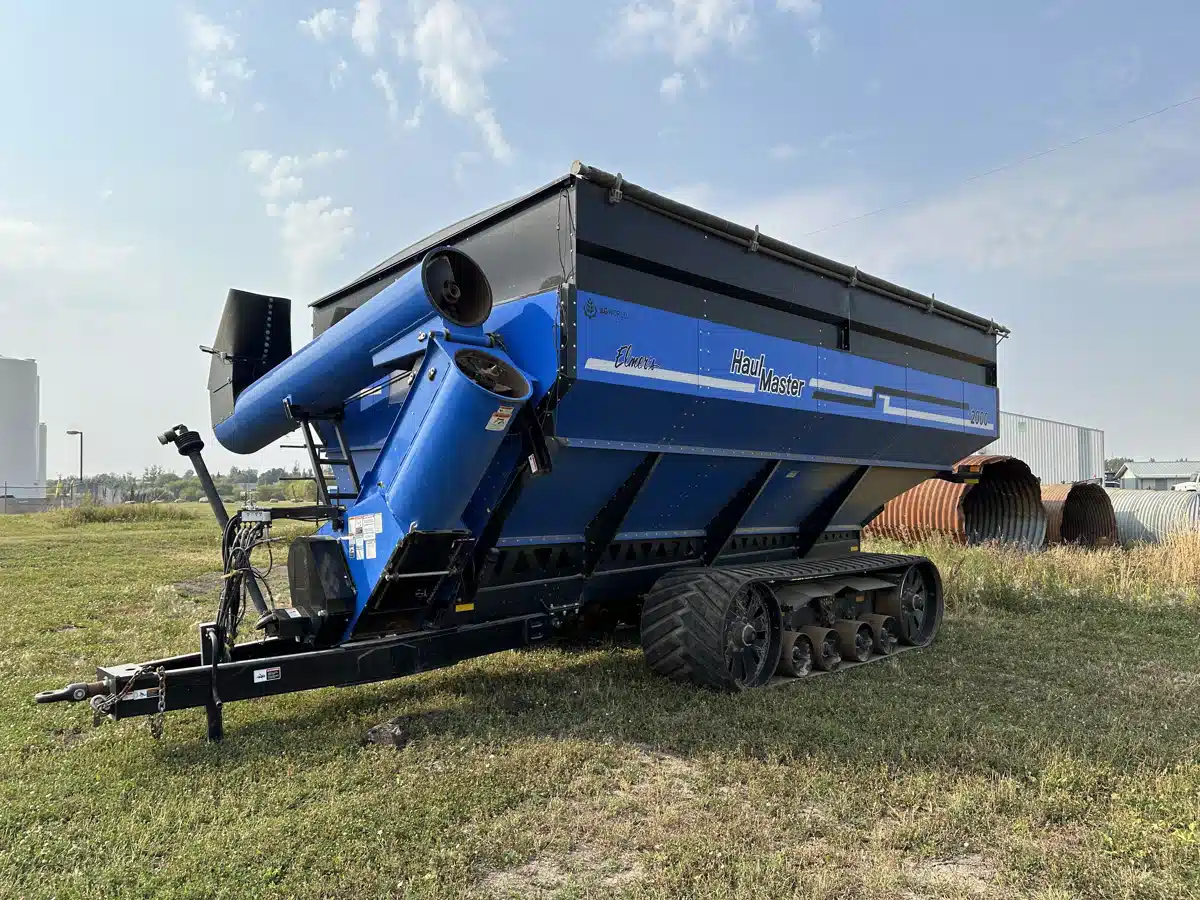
x=826 y=655
x=885 y=633
x=854 y=639
x=795 y=655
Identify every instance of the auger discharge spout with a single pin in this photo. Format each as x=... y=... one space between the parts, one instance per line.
x=446 y=284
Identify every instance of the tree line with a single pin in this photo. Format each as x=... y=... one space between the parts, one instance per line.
x=159 y=485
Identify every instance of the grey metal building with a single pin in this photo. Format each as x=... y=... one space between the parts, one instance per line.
x=1158 y=476
x=1057 y=452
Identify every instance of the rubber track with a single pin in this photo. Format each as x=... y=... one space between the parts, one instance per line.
x=683 y=615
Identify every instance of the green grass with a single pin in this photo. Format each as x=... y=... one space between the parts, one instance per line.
x=1047 y=746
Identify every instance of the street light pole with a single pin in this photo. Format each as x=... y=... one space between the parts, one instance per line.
x=80 y=433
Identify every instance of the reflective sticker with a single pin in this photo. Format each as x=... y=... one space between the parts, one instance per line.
x=499 y=419
x=463 y=607
x=271 y=674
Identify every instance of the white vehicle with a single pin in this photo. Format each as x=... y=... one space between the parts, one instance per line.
x=1187 y=486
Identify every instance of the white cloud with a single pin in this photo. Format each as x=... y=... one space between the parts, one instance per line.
x=453 y=55
x=323 y=24
x=365 y=29
x=27 y=246
x=672 y=86
x=338 y=73
x=213 y=67
x=781 y=152
x=684 y=30
x=106 y=195
x=1125 y=206
x=315 y=233
x=818 y=38
x=806 y=9
x=313 y=230
x=381 y=80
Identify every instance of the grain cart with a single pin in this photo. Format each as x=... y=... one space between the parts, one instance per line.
x=589 y=405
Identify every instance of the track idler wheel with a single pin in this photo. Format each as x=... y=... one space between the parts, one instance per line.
x=826 y=655
x=916 y=604
x=854 y=639
x=885 y=633
x=795 y=655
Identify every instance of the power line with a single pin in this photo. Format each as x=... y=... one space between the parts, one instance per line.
x=1014 y=163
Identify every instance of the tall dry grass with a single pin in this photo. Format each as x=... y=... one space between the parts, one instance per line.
x=135 y=512
x=1146 y=574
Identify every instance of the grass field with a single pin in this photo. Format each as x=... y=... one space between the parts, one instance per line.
x=1048 y=745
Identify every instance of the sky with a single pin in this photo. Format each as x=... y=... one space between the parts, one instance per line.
x=155 y=154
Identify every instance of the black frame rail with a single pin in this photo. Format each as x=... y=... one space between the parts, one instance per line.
x=280 y=666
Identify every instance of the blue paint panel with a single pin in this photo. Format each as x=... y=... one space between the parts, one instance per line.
x=619 y=340
x=685 y=492
x=952 y=414
x=563 y=502
x=794 y=493
x=624 y=343
x=530 y=330
x=631 y=415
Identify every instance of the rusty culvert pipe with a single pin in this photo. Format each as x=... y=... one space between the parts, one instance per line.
x=1079 y=514
x=999 y=501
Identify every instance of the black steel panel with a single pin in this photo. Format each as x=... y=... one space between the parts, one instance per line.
x=671 y=247
x=523 y=248
x=878 y=487
x=660 y=292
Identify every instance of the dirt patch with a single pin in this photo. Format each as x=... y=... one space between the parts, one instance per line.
x=200 y=586
x=63 y=628
x=970 y=872
x=389 y=734
x=659 y=777
x=546 y=877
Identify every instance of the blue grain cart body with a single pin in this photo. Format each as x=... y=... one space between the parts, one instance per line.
x=594 y=404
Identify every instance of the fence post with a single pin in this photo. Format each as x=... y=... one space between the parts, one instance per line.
x=4 y=500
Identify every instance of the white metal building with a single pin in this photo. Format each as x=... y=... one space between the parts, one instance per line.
x=1058 y=453
x=22 y=436
x=1158 y=476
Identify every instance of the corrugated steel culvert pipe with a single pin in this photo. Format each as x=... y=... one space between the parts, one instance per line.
x=1152 y=516
x=1003 y=505
x=1079 y=514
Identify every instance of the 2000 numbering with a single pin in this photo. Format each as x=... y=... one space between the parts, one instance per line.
x=979 y=417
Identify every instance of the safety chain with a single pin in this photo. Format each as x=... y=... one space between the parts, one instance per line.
x=101 y=706
x=156 y=720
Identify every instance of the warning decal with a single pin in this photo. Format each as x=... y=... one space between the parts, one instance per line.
x=271 y=674
x=499 y=419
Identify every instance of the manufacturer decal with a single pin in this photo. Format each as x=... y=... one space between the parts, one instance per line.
x=272 y=674
x=591 y=310
x=627 y=359
x=499 y=420
x=143 y=693
x=768 y=381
